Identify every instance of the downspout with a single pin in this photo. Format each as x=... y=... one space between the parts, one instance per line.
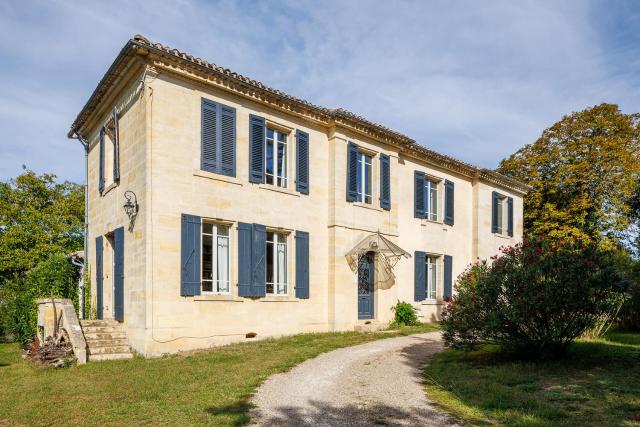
x=81 y=285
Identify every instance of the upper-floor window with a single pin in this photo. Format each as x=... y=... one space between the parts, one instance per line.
x=276 y=158
x=364 y=178
x=215 y=257
x=431 y=198
x=218 y=138
x=276 y=268
x=109 y=146
x=502 y=214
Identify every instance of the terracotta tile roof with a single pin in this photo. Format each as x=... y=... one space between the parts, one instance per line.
x=406 y=143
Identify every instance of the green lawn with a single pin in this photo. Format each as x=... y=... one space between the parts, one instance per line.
x=209 y=387
x=598 y=385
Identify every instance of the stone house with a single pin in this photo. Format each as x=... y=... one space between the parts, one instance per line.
x=252 y=212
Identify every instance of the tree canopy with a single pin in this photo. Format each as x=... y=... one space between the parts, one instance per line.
x=584 y=173
x=38 y=217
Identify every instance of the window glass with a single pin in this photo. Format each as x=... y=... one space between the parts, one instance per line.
x=276 y=271
x=363 y=177
x=276 y=158
x=215 y=257
x=431 y=199
x=432 y=277
x=500 y=215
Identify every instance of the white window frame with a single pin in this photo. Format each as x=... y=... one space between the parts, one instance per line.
x=429 y=185
x=215 y=279
x=432 y=276
x=279 y=287
x=365 y=161
x=279 y=176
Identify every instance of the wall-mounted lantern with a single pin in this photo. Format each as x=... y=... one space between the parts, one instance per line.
x=131 y=207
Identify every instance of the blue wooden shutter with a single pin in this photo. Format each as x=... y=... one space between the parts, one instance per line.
x=510 y=216
x=259 y=261
x=352 y=172
x=190 y=256
x=302 y=264
x=302 y=164
x=99 y=277
x=419 y=209
x=245 y=252
x=101 y=166
x=227 y=140
x=385 y=182
x=209 y=136
x=494 y=211
x=420 y=283
x=118 y=274
x=448 y=202
x=116 y=147
x=256 y=149
x=448 y=277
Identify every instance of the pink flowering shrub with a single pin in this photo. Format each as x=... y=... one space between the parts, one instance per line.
x=534 y=299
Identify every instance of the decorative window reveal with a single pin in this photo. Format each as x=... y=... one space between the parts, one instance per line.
x=215 y=257
x=501 y=214
x=276 y=269
x=109 y=147
x=275 y=158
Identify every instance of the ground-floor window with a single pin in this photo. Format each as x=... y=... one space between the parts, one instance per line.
x=215 y=257
x=432 y=276
x=276 y=279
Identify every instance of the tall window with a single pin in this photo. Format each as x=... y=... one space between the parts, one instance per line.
x=276 y=158
x=364 y=178
x=276 y=263
x=501 y=206
x=431 y=198
x=432 y=277
x=215 y=258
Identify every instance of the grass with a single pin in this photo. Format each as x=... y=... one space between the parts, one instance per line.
x=597 y=385
x=209 y=387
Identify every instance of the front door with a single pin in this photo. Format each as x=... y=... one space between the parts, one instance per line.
x=118 y=274
x=365 y=287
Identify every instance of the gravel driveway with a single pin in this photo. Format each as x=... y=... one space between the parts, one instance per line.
x=378 y=383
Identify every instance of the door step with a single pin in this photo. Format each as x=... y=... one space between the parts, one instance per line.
x=106 y=340
x=370 y=326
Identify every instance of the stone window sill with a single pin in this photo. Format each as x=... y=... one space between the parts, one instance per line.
x=217 y=177
x=502 y=236
x=109 y=188
x=217 y=297
x=367 y=206
x=431 y=302
x=283 y=298
x=278 y=189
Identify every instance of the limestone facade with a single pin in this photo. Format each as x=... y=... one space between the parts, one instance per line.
x=157 y=93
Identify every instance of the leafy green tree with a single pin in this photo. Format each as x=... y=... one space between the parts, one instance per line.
x=39 y=217
x=583 y=171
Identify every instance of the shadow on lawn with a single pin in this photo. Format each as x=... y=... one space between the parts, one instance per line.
x=598 y=383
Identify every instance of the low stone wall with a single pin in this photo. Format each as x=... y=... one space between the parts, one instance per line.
x=52 y=310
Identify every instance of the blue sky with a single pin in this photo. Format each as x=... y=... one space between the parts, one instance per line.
x=475 y=80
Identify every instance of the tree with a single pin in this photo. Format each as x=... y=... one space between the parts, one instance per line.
x=38 y=217
x=583 y=171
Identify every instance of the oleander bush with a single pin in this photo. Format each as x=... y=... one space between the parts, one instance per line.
x=535 y=298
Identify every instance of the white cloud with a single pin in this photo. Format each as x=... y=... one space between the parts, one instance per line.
x=475 y=80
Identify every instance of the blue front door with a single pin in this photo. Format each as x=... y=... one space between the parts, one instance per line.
x=365 y=287
x=118 y=274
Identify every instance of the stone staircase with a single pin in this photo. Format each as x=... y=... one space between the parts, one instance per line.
x=370 y=326
x=106 y=340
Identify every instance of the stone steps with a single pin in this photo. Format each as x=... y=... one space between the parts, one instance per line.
x=106 y=340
